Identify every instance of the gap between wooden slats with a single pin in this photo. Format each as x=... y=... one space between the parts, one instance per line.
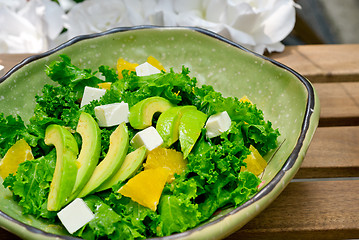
x=333 y=152
x=339 y=103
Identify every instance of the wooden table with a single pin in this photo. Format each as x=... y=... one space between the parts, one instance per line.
x=322 y=201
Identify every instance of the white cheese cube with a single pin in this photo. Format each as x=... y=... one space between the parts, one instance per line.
x=75 y=215
x=91 y=94
x=146 y=69
x=217 y=124
x=2 y=72
x=112 y=114
x=148 y=137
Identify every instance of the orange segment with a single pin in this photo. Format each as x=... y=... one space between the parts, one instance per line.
x=166 y=158
x=255 y=162
x=146 y=187
x=104 y=85
x=122 y=64
x=154 y=62
x=18 y=153
x=245 y=99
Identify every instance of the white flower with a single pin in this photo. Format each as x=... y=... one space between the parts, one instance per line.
x=29 y=27
x=255 y=24
x=13 y=5
x=35 y=25
x=93 y=16
x=67 y=4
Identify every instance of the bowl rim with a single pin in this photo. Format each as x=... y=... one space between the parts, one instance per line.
x=288 y=164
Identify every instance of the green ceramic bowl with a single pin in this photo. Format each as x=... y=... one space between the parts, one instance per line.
x=287 y=99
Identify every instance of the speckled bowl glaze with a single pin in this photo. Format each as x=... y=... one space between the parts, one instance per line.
x=287 y=99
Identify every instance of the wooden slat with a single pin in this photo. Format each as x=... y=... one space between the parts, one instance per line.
x=339 y=103
x=322 y=63
x=308 y=210
x=333 y=152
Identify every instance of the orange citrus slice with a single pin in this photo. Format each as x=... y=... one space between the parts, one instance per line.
x=17 y=153
x=167 y=158
x=104 y=85
x=255 y=162
x=122 y=64
x=146 y=187
x=154 y=62
x=245 y=99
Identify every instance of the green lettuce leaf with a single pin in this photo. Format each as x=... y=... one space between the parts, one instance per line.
x=13 y=129
x=138 y=217
x=256 y=131
x=247 y=187
x=262 y=137
x=118 y=217
x=55 y=105
x=105 y=219
x=177 y=213
x=172 y=86
x=109 y=73
x=31 y=185
x=67 y=74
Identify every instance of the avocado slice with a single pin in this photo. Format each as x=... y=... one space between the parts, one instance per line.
x=119 y=142
x=168 y=123
x=141 y=113
x=66 y=169
x=89 y=155
x=130 y=165
x=190 y=127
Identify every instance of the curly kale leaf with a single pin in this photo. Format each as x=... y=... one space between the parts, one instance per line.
x=250 y=119
x=67 y=74
x=56 y=105
x=13 y=129
x=118 y=217
x=172 y=86
x=262 y=137
x=178 y=214
x=31 y=185
x=109 y=73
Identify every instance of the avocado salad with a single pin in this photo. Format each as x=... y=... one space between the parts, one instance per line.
x=132 y=151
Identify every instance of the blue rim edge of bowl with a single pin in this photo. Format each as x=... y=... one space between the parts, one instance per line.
x=263 y=192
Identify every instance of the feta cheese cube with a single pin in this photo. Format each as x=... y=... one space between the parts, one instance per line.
x=75 y=215
x=112 y=114
x=91 y=94
x=217 y=124
x=148 y=137
x=2 y=72
x=146 y=69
